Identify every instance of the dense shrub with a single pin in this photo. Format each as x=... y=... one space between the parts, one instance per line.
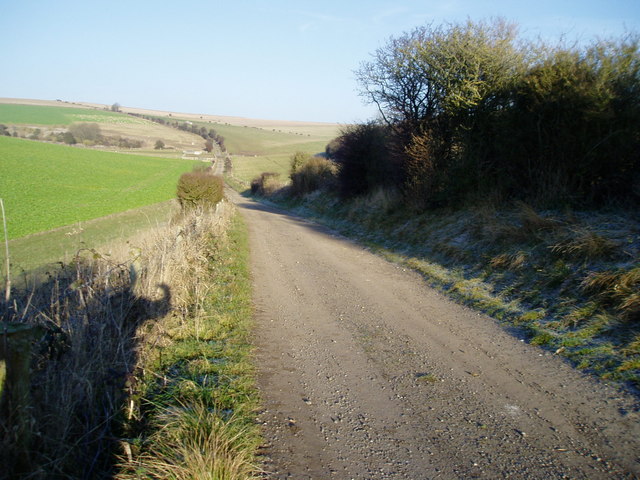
x=364 y=155
x=265 y=184
x=331 y=148
x=67 y=137
x=89 y=132
x=297 y=162
x=309 y=173
x=472 y=113
x=574 y=130
x=426 y=176
x=199 y=188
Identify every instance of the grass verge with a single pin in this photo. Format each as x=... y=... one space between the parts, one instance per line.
x=141 y=367
x=193 y=413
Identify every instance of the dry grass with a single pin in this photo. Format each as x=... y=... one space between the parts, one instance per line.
x=380 y=201
x=266 y=184
x=533 y=222
x=618 y=288
x=585 y=244
x=509 y=261
x=100 y=312
x=522 y=226
x=195 y=443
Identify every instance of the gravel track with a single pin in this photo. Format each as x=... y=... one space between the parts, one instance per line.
x=367 y=373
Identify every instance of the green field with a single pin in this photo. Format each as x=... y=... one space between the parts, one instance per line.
x=247 y=168
x=37 y=252
x=256 y=150
x=45 y=186
x=261 y=141
x=12 y=114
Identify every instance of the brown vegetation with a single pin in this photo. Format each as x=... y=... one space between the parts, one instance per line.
x=199 y=188
x=266 y=184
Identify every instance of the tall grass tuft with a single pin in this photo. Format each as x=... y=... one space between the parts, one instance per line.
x=194 y=442
x=621 y=289
x=585 y=244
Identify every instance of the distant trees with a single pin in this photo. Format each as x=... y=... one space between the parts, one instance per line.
x=121 y=142
x=468 y=111
x=186 y=126
x=159 y=145
x=115 y=107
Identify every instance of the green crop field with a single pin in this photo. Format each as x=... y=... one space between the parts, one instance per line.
x=12 y=114
x=46 y=186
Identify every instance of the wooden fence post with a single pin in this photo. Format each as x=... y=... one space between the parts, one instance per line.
x=16 y=340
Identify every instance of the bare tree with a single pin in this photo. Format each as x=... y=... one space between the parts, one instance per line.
x=430 y=71
x=393 y=81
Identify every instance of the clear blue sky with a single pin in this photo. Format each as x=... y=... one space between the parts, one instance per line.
x=286 y=60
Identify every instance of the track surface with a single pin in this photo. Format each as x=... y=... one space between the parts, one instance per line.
x=367 y=373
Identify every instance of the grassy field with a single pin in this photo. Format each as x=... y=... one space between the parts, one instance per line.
x=45 y=186
x=45 y=115
x=256 y=149
x=39 y=251
x=260 y=141
x=247 y=168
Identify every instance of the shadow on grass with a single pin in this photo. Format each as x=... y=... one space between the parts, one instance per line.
x=80 y=374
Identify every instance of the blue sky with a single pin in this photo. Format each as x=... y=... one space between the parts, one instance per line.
x=285 y=60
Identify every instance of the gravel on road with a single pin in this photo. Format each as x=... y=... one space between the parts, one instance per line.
x=367 y=373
